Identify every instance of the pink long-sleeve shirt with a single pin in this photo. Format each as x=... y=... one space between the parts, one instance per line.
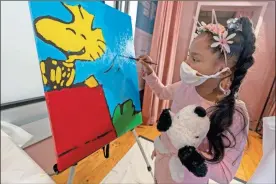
x=183 y=95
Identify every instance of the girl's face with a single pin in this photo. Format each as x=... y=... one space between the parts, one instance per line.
x=202 y=59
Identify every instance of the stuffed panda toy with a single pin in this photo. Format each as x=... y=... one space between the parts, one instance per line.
x=181 y=134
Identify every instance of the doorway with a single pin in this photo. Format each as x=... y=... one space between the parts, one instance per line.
x=225 y=10
x=222 y=16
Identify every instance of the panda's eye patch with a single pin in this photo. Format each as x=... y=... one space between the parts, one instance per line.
x=197 y=137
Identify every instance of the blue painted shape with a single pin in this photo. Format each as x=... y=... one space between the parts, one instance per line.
x=119 y=84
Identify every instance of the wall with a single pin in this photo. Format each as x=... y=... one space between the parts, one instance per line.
x=20 y=74
x=259 y=79
x=25 y=114
x=222 y=16
x=255 y=16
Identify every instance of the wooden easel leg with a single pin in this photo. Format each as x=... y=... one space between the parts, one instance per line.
x=71 y=174
x=73 y=168
x=143 y=152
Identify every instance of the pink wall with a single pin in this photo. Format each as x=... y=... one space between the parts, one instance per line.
x=257 y=84
x=43 y=153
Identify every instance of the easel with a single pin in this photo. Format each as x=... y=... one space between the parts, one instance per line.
x=73 y=168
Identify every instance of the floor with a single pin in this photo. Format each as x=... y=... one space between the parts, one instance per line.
x=132 y=167
x=95 y=167
x=251 y=158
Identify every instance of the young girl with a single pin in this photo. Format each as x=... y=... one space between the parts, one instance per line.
x=218 y=61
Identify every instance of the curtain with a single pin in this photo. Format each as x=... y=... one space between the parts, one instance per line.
x=163 y=52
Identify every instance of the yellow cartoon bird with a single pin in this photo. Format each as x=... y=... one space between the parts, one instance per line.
x=76 y=39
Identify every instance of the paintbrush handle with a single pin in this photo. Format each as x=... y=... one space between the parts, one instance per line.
x=136 y=59
x=151 y=63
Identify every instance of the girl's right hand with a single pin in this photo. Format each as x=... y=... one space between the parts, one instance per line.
x=146 y=67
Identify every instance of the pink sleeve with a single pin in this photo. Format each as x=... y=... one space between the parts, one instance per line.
x=163 y=92
x=225 y=171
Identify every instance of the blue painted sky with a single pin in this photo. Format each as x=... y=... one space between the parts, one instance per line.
x=121 y=82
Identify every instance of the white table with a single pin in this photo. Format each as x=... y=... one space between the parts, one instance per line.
x=17 y=166
x=265 y=172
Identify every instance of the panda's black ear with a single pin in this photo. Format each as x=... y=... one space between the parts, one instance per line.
x=200 y=111
x=193 y=161
x=165 y=121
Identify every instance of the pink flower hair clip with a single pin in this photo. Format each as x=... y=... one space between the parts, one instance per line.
x=223 y=41
x=220 y=34
x=213 y=28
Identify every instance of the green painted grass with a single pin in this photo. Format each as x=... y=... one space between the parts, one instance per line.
x=125 y=118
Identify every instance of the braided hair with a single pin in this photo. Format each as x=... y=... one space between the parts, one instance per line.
x=221 y=115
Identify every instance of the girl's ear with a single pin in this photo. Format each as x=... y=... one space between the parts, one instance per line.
x=227 y=73
x=193 y=161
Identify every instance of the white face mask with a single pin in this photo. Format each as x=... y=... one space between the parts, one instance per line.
x=189 y=75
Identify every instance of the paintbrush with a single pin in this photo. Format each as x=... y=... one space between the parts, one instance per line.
x=136 y=59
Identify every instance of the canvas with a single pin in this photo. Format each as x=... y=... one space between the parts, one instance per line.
x=91 y=90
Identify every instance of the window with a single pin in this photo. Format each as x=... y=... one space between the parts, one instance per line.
x=133 y=13
x=110 y=3
x=128 y=7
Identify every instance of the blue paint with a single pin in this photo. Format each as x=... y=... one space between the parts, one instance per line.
x=119 y=85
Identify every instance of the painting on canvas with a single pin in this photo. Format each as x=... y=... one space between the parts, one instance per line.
x=91 y=90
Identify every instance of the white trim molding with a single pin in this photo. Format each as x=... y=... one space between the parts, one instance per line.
x=229 y=4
